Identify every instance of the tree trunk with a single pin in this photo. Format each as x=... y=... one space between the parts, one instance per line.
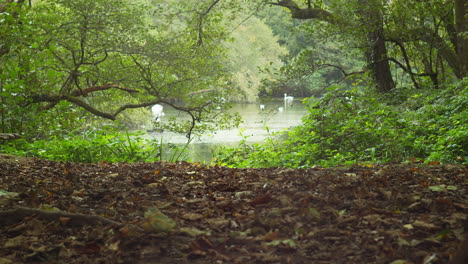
x=378 y=62
x=376 y=52
x=461 y=47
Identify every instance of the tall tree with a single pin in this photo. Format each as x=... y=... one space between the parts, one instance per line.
x=440 y=26
x=434 y=35
x=107 y=56
x=370 y=18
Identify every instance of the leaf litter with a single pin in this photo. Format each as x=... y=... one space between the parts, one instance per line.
x=62 y=212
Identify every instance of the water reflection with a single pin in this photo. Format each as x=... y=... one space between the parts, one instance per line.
x=274 y=115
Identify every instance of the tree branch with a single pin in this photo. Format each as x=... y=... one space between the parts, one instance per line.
x=307 y=13
x=103 y=87
x=200 y=22
x=408 y=70
x=423 y=34
x=408 y=65
x=9 y=136
x=345 y=74
x=73 y=98
x=54 y=99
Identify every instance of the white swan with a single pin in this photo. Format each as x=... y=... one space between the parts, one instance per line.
x=157 y=111
x=288 y=100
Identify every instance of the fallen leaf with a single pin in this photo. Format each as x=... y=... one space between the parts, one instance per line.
x=270 y=236
x=155 y=220
x=261 y=199
x=314 y=213
x=5 y=261
x=114 y=246
x=408 y=226
x=192 y=231
x=64 y=220
x=424 y=225
x=192 y=216
x=287 y=242
x=401 y=261
x=15 y=242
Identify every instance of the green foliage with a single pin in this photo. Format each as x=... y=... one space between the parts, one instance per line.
x=254 y=54
x=319 y=58
x=65 y=49
x=107 y=144
x=250 y=156
x=91 y=146
x=345 y=127
x=442 y=124
x=173 y=152
x=175 y=52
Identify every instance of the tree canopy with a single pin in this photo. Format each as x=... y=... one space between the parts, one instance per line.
x=423 y=39
x=69 y=65
x=107 y=56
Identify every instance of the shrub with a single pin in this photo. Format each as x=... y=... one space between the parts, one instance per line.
x=90 y=146
x=348 y=126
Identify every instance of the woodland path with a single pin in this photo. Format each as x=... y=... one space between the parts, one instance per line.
x=61 y=212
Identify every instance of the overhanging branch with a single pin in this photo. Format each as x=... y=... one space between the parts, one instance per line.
x=306 y=13
x=345 y=74
x=408 y=70
x=103 y=87
x=54 y=99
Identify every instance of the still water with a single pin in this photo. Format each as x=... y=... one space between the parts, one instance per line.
x=276 y=116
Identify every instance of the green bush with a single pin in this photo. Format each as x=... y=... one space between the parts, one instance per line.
x=348 y=126
x=90 y=146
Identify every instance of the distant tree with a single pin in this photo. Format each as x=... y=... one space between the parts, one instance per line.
x=253 y=55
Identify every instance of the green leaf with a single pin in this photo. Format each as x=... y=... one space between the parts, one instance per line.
x=288 y=242
x=442 y=187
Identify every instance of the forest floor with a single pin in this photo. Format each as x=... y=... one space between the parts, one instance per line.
x=60 y=212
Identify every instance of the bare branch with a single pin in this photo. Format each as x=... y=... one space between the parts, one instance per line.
x=52 y=100
x=408 y=65
x=345 y=74
x=423 y=34
x=408 y=70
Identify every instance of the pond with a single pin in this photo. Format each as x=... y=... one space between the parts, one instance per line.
x=257 y=125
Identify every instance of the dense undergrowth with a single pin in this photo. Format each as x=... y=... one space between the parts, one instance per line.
x=105 y=144
x=342 y=127
x=348 y=126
